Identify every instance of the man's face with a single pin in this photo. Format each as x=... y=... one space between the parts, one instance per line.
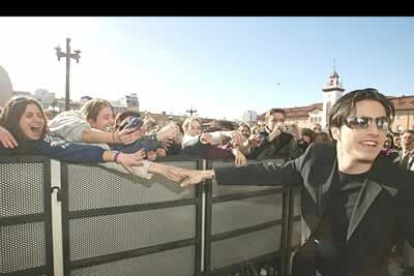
x=276 y=120
x=361 y=146
x=104 y=119
x=407 y=141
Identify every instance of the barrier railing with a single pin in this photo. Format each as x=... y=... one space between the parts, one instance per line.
x=25 y=217
x=117 y=224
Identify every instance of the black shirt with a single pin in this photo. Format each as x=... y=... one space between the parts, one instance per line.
x=340 y=208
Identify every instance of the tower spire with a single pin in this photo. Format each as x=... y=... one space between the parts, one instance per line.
x=334 y=65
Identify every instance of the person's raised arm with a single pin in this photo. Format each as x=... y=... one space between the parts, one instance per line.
x=7 y=139
x=126 y=136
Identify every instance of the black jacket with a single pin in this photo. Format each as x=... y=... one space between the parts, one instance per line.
x=383 y=211
x=284 y=146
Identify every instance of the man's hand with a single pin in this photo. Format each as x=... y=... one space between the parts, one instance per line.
x=129 y=135
x=7 y=139
x=276 y=131
x=194 y=177
x=173 y=173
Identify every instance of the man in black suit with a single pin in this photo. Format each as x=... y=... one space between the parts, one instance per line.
x=355 y=203
x=276 y=143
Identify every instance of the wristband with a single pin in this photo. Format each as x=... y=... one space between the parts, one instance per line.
x=116 y=156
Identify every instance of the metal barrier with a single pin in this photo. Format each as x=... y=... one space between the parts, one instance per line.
x=243 y=227
x=25 y=217
x=117 y=224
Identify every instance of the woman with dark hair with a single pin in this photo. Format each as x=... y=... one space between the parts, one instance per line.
x=389 y=150
x=24 y=119
x=389 y=142
x=308 y=137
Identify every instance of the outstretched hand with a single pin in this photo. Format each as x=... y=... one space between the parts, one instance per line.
x=237 y=138
x=132 y=159
x=193 y=177
x=239 y=158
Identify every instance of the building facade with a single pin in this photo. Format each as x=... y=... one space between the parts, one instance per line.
x=6 y=87
x=132 y=102
x=249 y=116
x=305 y=116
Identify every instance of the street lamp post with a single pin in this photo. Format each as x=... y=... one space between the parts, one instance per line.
x=68 y=55
x=191 y=111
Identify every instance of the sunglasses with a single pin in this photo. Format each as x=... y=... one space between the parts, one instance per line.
x=363 y=122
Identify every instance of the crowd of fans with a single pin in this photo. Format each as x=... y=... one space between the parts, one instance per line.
x=96 y=134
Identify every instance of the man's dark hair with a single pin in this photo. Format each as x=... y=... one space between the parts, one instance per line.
x=275 y=110
x=346 y=105
x=411 y=131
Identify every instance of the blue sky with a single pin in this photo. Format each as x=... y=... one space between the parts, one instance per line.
x=221 y=66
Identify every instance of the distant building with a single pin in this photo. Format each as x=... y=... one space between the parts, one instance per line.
x=44 y=97
x=305 y=116
x=118 y=105
x=404 y=113
x=249 y=116
x=131 y=101
x=6 y=87
x=22 y=93
x=332 y=91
